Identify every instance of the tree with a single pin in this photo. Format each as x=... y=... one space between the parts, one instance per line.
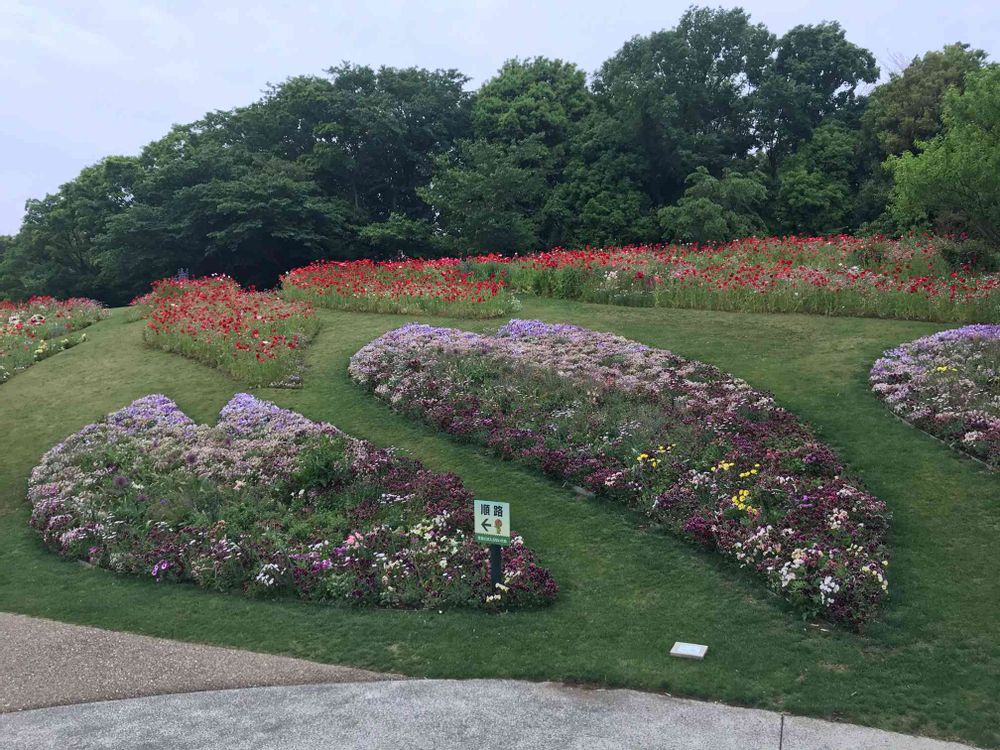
x=484 y=196
x=57 y=250
x=907 y=108
x=254 y=217
x=952 y=181
x=715 y=210
x=599 y=200
x=383 y=132
x=813 y=77
x=815 y=187
x=11 y=284
x=534 y=97
x=682 y=96
x=900 y=113
x=535 y=107
x=401 y=236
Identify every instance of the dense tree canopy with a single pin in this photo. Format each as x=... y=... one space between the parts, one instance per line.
x=904 y=110
x=908 y=107
x=814 y=76
x=683 y=95
x=715 y=210
x=542 y=97
x=705 y=131
x=815 y=189
x=487 y=193
x=952 y=181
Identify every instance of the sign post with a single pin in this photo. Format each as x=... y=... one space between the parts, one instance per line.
x=492 y=524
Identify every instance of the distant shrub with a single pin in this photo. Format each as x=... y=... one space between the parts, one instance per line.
x=969 y=254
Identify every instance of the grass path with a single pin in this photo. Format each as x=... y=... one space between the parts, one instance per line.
x=931 y=666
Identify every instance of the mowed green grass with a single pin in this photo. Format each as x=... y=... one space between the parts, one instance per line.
x=931 y=665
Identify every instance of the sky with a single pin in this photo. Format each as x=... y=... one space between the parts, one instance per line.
x=80 y=81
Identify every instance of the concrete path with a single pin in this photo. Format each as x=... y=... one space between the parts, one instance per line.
x=46 y=663
x=431 y=714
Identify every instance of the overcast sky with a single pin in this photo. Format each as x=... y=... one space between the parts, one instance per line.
x=81 y=80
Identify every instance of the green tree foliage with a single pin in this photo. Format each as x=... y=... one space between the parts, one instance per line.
x=379 y=144
x=600 y=201
x=486 y=193
x=254 y=217
x=535 y=109
x=56 y=251
x=815 y=189
x=310 y=170
x=401 y=235
x=706 y=130
x=952 y=181
x=900 y=113
x=11 y=285
x=814 y=76
x=907 y=108
x=535 y=97
x=715 y=210
x=682 y=95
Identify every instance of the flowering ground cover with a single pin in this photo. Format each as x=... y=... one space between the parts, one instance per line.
x=256 y=337
x=269 y=502
x=34 y=330
x=948 y=384
x=843 y=275
x=435 y=287
x=927 y=665
x=697 y=450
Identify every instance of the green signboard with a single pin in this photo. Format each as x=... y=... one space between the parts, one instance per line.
x=492 y=522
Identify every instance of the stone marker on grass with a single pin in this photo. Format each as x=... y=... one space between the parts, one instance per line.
x=689 y=650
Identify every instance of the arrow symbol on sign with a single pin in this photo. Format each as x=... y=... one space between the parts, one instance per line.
x=486 y=525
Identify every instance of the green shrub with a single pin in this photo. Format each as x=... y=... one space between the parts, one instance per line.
x=974 y=254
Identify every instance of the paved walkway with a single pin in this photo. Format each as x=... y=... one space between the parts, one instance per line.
x=44 y=663
x=432 y=714
x=47 y=663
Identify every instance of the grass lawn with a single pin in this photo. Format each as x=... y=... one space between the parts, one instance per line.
x=931 y=665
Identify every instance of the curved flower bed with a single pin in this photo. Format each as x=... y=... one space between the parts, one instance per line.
x=256 y=337
x=908 y=278
x=445 y=286
x=41 y=327
x=268 y=501
x=948 y=384
x=699 y=451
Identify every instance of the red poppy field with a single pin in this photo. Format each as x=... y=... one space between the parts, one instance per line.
x=907 y=279
x=437 y=287
x=256 y=337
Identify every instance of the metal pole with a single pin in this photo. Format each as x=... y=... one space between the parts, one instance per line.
x=495 y=563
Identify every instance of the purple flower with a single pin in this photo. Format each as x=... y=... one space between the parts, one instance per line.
x=700 y=451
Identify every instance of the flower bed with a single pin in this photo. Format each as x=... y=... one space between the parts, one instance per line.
x=700 y=452
x=949 y=385
x=844 y=275
x=269 y=502
x=435 y=287
x=34 y=330
x=256 y=337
